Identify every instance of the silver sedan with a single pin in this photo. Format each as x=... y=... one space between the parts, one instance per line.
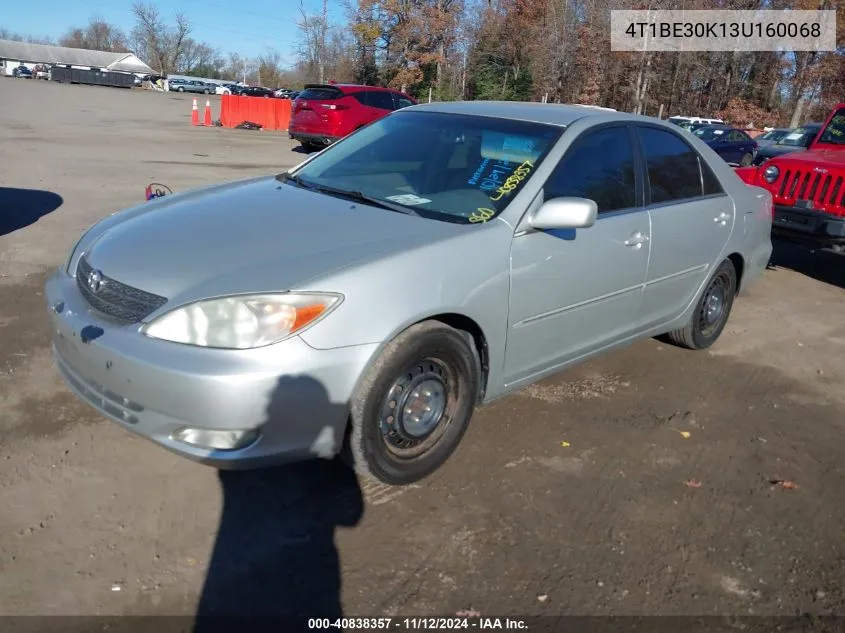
x=365 y=302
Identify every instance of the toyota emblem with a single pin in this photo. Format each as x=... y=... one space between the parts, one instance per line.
x=95 y=281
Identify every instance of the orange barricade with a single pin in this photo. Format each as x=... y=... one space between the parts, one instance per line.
x=271 y=114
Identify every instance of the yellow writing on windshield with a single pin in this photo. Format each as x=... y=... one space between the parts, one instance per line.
x=513 y=181
x=481 y=214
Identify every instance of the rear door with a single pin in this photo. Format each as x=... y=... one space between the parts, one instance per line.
x=377 y=104
x=691 y=221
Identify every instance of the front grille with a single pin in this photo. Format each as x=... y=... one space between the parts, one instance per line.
x=115 y=299
x=802 y=186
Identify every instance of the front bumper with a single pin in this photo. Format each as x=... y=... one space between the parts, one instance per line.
x=810 y=227
x=296 y=396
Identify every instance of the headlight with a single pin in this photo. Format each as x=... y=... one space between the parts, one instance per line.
x=771 y=173
x=242 y=322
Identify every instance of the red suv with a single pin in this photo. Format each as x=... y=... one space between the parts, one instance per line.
x=324 y=113
x=808 y=188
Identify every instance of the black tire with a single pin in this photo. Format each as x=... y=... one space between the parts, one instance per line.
x=382 y=444
x=704 y=326
x=180 y=89
x=205 y=92
x=746 y=159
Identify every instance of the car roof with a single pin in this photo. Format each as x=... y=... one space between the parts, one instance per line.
x=548 y=113
x=351 y=87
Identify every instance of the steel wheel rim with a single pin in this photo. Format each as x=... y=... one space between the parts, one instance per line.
x=713 y=305
x=418 y=408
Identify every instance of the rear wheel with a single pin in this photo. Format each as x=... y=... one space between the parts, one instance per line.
x=414 y=404
x=746 y=159
x=711 y=312
x=180 y=89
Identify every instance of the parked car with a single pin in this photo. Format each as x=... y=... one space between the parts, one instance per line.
x=226 y=89
x=22 y=72
x=797 y=140
x=324 y=113
x=771 y=137
x=191 y=85
x=41 y=71
x=732 y=144
x=808 y=187
x=282 y=93
x=254 y=91
x=439 y=258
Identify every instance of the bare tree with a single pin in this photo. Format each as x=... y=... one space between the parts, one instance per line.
x=314 y=32
x=97 y=35
x=161 y=43
x=6 y=34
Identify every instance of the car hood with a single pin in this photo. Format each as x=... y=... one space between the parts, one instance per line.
x=778 y=150
x=822 y=158
x=250 y=236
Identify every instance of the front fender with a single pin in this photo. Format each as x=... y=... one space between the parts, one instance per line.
x=748 y=174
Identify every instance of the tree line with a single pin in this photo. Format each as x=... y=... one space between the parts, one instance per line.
x=527 y=50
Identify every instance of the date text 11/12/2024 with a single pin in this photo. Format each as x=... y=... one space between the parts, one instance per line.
x=417 y=624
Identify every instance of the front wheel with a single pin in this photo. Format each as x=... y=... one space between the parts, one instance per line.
x=711 y=312
x=180 y=89
x=746 y=159
x=414 y=404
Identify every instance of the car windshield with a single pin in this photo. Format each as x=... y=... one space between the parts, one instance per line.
x=799 y=137
x=773 y=135
x=456 y=168
x=835 y=130
x=708 y=133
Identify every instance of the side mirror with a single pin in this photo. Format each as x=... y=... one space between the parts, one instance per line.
x=565 y=213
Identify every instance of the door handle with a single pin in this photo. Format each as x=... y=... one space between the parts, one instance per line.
x=636 y=240
x=722 y=218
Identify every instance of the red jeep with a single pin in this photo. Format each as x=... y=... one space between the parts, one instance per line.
x=808 y=188
x=322 y=114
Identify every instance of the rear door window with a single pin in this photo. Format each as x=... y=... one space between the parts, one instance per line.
x=674 y=168
x=401 y=101
x=380 y=100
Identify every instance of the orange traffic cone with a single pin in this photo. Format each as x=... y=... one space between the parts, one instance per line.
x=195 y=114
x=207 y=119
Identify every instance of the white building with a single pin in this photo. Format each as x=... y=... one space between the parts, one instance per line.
x=13 y=54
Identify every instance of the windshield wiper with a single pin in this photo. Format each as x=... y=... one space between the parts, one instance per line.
x=287 y=177
x=362 y=197
x=354 y=195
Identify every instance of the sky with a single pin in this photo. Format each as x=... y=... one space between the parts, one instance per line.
x=249 y=28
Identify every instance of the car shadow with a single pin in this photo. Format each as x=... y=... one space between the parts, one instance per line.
x=21 y=207
x=275 y=555
x=299 y=149
x=823 y=266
